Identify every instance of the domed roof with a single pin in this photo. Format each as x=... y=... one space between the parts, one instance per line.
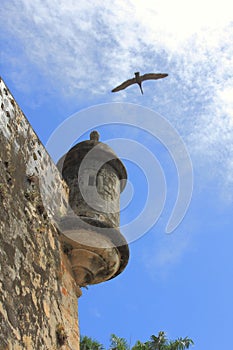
x=99 y=150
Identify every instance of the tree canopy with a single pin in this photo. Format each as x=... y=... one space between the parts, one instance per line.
x=159 y=342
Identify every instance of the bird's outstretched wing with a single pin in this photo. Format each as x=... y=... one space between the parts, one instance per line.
x=153 y=76
x=124 y=85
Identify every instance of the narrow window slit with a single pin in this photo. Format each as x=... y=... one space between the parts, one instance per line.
x=91 y=181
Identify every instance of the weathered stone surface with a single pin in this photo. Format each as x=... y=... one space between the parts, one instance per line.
x=38 y=294
x=96 y=177
x=91 y=165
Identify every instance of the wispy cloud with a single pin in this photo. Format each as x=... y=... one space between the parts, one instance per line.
x=162 y=257
x=85 y=45
x=82 y=50
x=95 y=312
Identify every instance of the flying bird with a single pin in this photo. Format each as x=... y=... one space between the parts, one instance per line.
x=139 y=79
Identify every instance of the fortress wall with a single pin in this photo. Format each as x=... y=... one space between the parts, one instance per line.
x=38 y=295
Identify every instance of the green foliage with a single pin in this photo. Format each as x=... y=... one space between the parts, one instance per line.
x=180 y=344
x=117 y=343
x=159 y=342
x=87 y=343
x=141 y=346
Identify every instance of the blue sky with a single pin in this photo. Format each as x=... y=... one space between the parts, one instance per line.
x=61 y=59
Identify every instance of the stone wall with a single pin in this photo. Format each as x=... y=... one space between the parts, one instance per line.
x=38 y=294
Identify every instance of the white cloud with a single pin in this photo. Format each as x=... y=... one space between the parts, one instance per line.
x=94 y=311
x=83 y=49
x=166 y=253
x=82 y=42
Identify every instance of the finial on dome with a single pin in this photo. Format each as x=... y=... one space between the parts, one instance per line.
x=94 y=136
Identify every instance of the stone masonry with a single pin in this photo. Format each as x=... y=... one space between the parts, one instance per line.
x=38 y=294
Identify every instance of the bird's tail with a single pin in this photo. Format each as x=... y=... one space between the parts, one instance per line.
x=140 y=85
